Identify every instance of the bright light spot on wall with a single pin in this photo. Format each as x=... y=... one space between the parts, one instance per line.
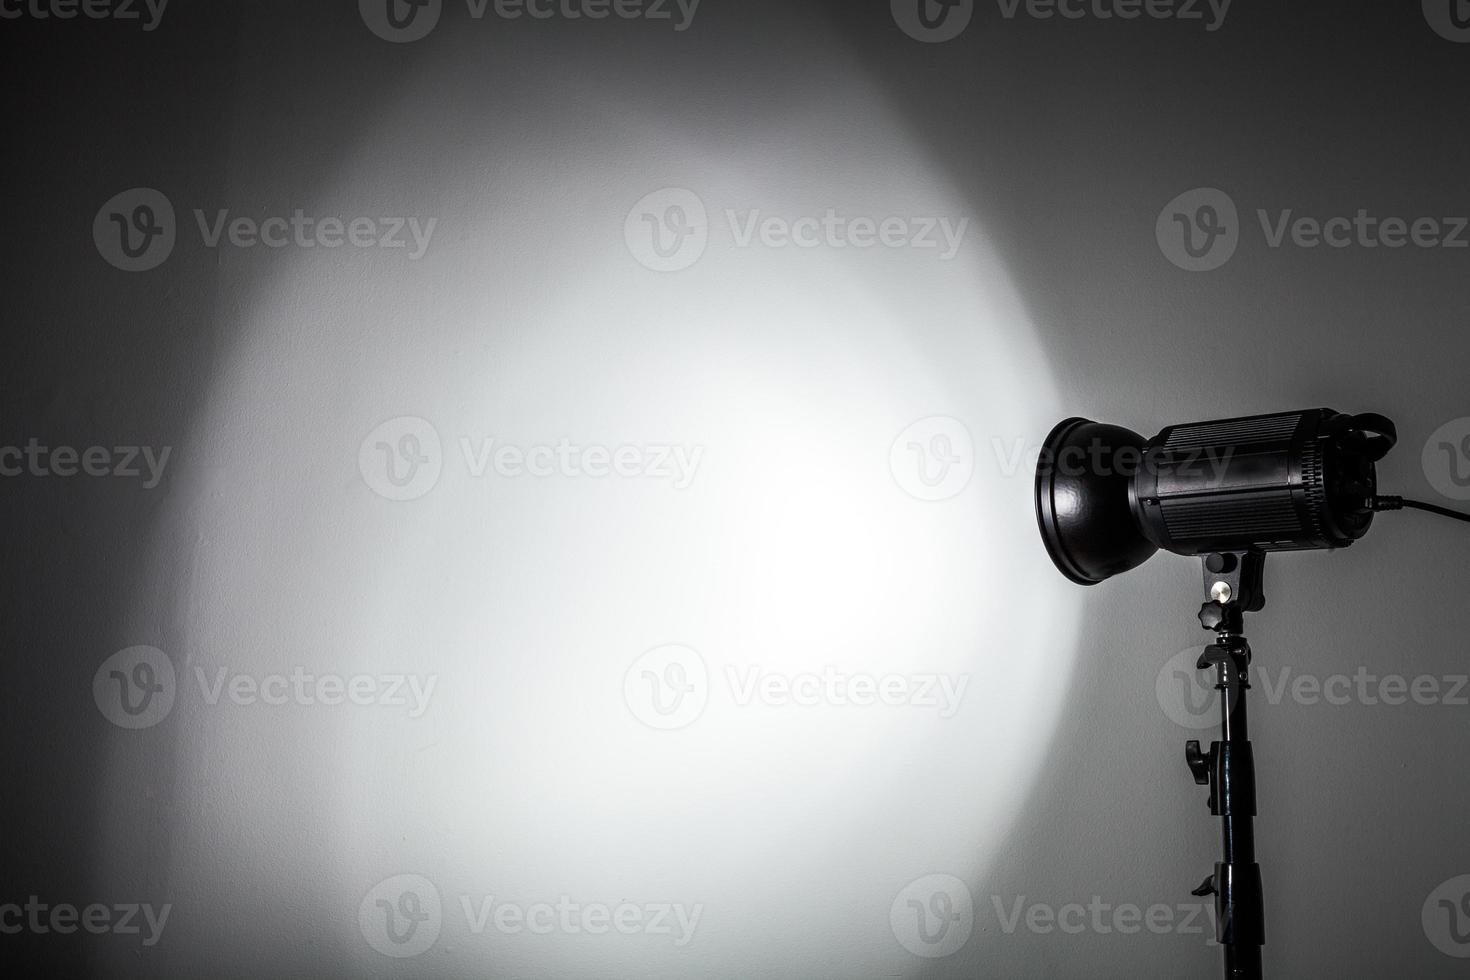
x=821 y=499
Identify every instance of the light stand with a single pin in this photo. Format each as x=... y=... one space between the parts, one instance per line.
x=1228 y=491
x=1233 y=581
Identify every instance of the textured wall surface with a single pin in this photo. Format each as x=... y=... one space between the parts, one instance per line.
x=561 y=495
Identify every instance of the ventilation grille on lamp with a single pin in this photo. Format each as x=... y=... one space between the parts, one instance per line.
x=1264 y=516
x=1240 y=432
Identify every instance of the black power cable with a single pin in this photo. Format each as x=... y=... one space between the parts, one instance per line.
x=1399 y=503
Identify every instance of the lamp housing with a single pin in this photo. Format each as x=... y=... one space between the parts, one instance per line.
x=1107 y=499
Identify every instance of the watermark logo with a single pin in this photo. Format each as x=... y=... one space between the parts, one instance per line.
x=678 y=464
x=1105 y=919
x=679 y=13
x=1199 y=230
x=127 y=919
x=402 y=459
x=412 y=692
x=838 y=231
x=135 y=688
x=400 y=21
x=1211 y=13
x=401 y=916
x=148 y=12
x=1189 y=698
x=1100 y=458
x=1446 y=917
x=135 y=231
x=403 y=21
x=942 y=693
x=1446 y=459
x=36 y=459
x=668 y=230
x=301 y=230
x=933 y=459
x=933 y=21
x=1450 y=19
x=667 y=688
x=933 y=916
x=674 y=920
x=1188 y=695
x=1363 y=230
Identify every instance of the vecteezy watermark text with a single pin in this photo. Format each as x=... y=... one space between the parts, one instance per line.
x=678 y=13
x=1210 y=13
x=1200 y=230
x=936 y=21
x=306 y=689
x=934 y=916
x=403 y=916
x=669 y=230
x=1098 y=458
x=403 y=459
x=678 y=464
x=149 y=13
x=752 y=683
x=63 y=919
x=672 y=919
x=136 y=688
x=405 y=21
x=669 y=687
x=136 y=231
x=1104 y=918
x=36 y=459
x=1189 y=698
x=934 y=459
x=305 y=231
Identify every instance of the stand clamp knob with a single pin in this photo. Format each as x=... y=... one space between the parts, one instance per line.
x=1199 y=763
x=1212 y=615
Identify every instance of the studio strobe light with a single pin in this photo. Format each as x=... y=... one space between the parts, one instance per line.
x=1107 y=499
x=1228 y=492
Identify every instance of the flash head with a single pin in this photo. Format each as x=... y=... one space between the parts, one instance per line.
x=1107 y=499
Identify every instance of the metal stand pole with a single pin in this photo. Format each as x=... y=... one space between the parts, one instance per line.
x=1234 y=583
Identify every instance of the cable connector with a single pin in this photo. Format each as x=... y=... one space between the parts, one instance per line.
x=1399 y=503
